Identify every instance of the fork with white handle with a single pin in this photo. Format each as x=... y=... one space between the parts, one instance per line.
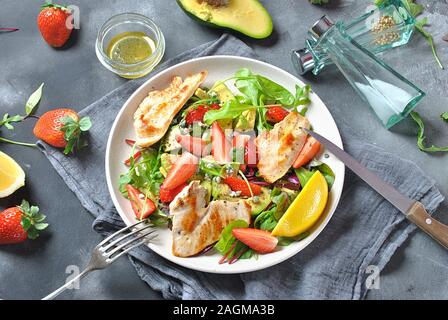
x=110 y=249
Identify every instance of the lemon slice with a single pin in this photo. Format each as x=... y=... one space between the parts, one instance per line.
x=305 y=209
x=12 y=176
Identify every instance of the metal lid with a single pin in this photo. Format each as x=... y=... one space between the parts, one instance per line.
x=303 y=60
x=320 y=27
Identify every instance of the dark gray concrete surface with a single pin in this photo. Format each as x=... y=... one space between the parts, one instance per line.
x=74 y=78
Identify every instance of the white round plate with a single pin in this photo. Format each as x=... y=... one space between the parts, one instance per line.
x=219 y=68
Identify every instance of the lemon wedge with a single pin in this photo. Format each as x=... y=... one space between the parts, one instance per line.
x=305 y=209
x=12 y=176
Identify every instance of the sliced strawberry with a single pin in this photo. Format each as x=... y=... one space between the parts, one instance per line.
x=250 y=153
x=220 y=145
x=214 y=106
x=196 y=115
x=194 y=145
x=276 y=114
x=169 y=195
x=237 y=184
x=182 y=170
x=141 y=205
x=136 y=155
x=129 y=142
x=308 y=152
x=259 y=240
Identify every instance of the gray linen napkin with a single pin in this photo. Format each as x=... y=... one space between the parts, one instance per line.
x=364 y=231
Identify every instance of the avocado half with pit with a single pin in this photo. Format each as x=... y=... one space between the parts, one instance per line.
x=248 y=17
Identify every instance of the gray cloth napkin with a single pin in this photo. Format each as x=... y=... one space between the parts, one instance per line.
x=364 y=231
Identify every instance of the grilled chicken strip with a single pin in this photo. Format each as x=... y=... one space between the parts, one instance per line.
x=155 y=114
x=196 y=226
x=279 y=147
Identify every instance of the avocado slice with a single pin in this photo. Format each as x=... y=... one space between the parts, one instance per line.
x=166 y=162
x=170 y=143
x=246 y=121
x=201 y=94
x=247 y=17
x=224 y=94
x=264 y=199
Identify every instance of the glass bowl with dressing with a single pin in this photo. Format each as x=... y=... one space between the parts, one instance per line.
x=130 y=45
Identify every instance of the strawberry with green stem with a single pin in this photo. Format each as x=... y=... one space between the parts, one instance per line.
x=62 y=128
x=20 y=223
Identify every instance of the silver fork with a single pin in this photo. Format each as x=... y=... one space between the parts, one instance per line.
x=110 y=249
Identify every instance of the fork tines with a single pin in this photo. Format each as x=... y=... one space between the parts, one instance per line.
x=125 y=240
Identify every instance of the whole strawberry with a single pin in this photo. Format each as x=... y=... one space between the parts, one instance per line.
x=52 y=23
x=20 y=223
x=62 y=128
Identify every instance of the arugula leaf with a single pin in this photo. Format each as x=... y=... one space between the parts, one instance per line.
x=226 y=238
x=421 y=135
x=144 y=174
x=413 y=8
x=444 y=116
x=232 y=109
x=419 y=24
x=33 y=100
x=305 y=175
x=262 y=123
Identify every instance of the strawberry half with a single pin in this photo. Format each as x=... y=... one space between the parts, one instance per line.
x=276 y=114
x=62 y=128
x=259 y=240
x=52 y=24
x=237 y=184
x=169 y=195
x=20 y=223
x=141 y=205
x=184 y=168
x=194 y=145
x=220 y=145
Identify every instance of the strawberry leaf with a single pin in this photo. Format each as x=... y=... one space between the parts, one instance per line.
x=85 y=124
x=72 y=132
x=32 y=220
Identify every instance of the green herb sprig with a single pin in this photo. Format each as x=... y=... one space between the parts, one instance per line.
x=8 y=121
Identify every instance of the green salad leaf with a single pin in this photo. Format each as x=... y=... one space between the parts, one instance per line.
x=421 y=135
x=144 y=174
x=305 y=174
x=231 y=109
x=268 y=219
x=286 y=241
x=226 y=238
